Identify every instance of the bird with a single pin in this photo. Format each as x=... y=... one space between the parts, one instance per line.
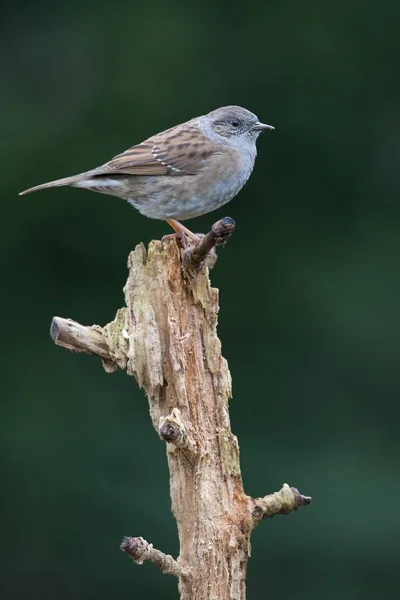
x=181 y=173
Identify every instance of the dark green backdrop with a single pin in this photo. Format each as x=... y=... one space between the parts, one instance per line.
x=309 y=288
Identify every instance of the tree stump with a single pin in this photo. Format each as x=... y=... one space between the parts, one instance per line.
x=166 y=337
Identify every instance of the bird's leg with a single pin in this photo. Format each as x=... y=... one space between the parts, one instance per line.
x=181 y=232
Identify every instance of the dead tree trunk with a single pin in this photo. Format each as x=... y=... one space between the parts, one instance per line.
x=166 y=338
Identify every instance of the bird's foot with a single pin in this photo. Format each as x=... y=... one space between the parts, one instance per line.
x=184 y=239
x=182 y=233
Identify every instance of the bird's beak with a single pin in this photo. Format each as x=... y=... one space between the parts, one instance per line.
x=262 y=127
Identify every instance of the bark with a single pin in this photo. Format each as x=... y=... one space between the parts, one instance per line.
x=166 y=337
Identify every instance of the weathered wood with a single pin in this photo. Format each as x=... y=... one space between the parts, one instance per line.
x=140 y=550
x=79 y=338
x=166 y=337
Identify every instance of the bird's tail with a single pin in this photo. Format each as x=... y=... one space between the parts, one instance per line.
x=50 y=184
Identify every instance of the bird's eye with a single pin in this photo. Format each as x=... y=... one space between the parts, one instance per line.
x=235 y=123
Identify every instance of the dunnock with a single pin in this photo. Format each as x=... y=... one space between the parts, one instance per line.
x=183 y=172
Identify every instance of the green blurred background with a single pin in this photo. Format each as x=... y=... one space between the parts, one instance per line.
x=309 y=288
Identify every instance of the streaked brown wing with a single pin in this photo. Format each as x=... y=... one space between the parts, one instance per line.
x=182 y=150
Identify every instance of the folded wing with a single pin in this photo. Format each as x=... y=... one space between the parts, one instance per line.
x=178 y=152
